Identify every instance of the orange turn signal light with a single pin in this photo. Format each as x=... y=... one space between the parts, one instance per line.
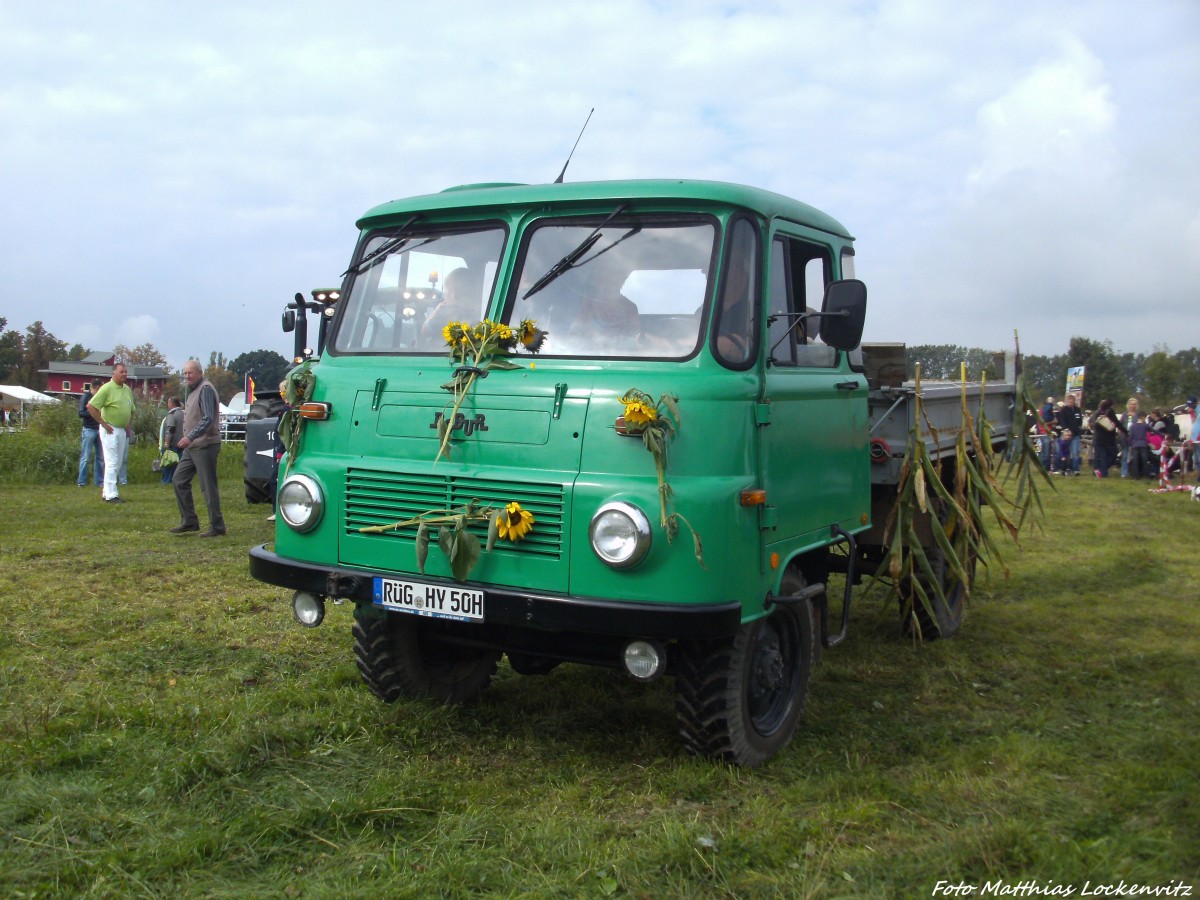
x=314 y=411
x=755 y=497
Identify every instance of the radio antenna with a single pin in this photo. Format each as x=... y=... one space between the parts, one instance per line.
x=559 y=179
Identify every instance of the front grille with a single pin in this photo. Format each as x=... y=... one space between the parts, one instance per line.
x=381 y=498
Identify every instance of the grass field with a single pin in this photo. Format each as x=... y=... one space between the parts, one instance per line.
x=167 y=731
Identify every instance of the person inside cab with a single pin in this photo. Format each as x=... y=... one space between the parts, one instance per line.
x=460 y=303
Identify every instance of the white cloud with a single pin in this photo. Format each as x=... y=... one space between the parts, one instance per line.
x=1056 y=120
x=1030 y=163
x=138 y=330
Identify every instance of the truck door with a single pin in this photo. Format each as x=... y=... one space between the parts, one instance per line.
x=813 y=443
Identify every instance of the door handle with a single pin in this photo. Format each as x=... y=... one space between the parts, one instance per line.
x=848 y=385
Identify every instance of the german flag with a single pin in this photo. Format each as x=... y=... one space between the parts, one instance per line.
x=249 y=390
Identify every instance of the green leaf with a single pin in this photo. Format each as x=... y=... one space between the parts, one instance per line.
x=422 y=547
x=671 y=402
x=466 y=554
x=499 y=362
x=443 y=432
x=493 y=528
x=287 y=426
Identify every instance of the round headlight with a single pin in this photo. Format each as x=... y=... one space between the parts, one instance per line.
x=300 y=502
x=620 y=534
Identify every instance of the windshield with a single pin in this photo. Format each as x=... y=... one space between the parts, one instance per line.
x=637 y=290
x=403 y=299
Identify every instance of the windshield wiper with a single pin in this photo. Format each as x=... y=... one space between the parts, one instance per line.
x=395 y=242
x=568 y=261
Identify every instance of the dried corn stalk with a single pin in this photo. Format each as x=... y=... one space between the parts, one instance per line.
x=1026 y=465
x=953 y=509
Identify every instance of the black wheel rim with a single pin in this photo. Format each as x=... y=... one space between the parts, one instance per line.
x=773 y=672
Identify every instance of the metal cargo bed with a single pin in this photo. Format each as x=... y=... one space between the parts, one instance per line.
x=892 y=410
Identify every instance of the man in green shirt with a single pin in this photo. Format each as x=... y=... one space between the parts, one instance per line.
x=112 y=407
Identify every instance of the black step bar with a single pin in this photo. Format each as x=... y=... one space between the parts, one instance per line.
x=817 y=595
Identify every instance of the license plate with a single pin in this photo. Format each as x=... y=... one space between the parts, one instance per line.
x=433 y=600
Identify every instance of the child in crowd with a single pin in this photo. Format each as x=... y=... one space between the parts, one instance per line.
x=1139 y=448
x=1064 y=451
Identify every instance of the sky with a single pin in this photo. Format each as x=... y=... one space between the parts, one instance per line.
x=174 y=173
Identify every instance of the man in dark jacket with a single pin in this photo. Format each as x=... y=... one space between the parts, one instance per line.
x=1070 y=416
x=89 y=441
x=200 y=444
x=170 y=432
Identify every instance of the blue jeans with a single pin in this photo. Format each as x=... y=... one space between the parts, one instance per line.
x=1075 y=460
x=168 y=472
x=91 y=457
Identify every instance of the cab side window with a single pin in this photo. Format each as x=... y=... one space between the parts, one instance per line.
x=735 y=336
x=799 y=273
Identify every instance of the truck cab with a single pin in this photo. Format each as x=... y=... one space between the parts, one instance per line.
x=736 y=306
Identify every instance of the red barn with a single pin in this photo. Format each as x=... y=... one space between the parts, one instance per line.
x=67 y=377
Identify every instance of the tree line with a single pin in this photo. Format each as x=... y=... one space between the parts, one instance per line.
x=23 y=356
x=1161 y=378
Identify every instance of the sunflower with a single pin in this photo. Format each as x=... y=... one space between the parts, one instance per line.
x=453 y=332
x=513 y=522
x=638 y=413
x=504 y=336
x=531 y=337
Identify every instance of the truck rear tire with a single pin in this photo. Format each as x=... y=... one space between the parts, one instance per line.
x=400 y=656
x=740 y=700
x=944 y=620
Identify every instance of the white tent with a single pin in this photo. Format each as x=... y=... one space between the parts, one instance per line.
x=15 y=394
x=237 y=405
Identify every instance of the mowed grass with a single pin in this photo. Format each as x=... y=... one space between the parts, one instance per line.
x=167 y=731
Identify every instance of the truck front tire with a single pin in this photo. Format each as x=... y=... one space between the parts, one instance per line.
x=741 y=700
x=400 y=656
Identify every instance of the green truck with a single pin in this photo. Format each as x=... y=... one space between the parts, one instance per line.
x=626 y=424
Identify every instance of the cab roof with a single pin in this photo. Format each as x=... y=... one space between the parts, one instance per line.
x=583 y=193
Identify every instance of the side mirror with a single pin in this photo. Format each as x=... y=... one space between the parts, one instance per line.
x=289 y=320
x=844 y=313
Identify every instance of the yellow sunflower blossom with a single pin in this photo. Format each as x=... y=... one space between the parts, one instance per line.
x=514 y=523
x=639 y=413
x=449 y=332
x=531 y=337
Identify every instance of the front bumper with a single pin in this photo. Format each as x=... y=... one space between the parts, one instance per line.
x=519 y=609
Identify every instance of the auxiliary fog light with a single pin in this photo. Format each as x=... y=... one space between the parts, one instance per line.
x=308 y=609
x=645 y=660
x=620 y=534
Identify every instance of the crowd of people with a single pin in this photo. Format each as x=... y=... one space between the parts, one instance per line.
x=1158 y=444
x=189 y=441
x=191 y=434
